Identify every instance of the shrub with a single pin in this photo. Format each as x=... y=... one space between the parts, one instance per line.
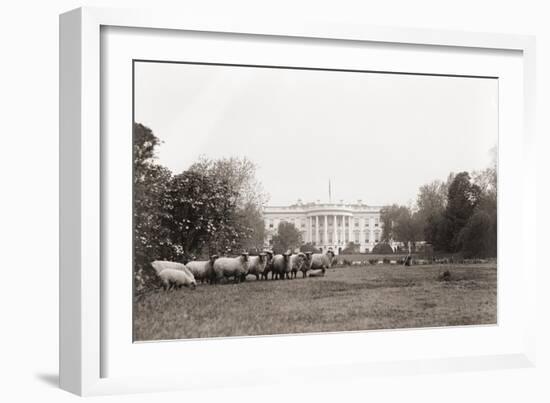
x=382 y=248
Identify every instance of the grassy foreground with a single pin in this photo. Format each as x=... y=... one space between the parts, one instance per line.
x=347 y=298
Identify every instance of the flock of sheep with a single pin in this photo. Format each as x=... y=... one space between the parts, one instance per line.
x=282 y=266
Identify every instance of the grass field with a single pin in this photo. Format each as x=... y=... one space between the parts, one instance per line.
x=347 y=298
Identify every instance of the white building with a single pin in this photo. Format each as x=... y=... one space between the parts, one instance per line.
x=329 y=225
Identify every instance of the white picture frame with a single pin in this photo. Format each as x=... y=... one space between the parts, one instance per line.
x=83 y=307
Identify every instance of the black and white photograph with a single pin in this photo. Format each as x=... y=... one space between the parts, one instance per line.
x=274 y=200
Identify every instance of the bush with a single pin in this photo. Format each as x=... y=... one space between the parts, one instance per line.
x=350 y=249
x=382 y=248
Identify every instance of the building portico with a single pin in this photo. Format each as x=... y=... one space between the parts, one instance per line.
x=329 y=225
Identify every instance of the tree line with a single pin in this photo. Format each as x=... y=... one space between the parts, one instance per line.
x=458 y=215
x=214 y=206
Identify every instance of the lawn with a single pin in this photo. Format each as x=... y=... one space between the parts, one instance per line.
x=347 y=298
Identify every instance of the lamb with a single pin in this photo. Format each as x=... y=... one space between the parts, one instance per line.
x=295 y=264
x=318 y=261
x=203 y=270
x=174 y=278
x=257 y=265
x=236 y=267
x=279 y=266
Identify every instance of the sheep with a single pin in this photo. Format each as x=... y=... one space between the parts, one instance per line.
x=257 y=265
x=295 y=264
x=160 y=265
x=235 y=267
x=269 y=264
x=279 y=265
x=203 y=270
x=316 y=273
x=317 y=261
x=174 y=278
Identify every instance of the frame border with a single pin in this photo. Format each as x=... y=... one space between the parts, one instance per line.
x=80 y=307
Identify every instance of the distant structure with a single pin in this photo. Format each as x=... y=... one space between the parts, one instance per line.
x=329 y=225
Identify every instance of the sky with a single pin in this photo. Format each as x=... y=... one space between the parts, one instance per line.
x=377 y=137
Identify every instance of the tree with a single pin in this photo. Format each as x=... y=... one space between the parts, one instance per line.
x=252 y=225
x=431 y=204
x=400 y=224
x=478 y=237
x=462 y=198
x=151 y=239
x=201 y=212
x=287 y=237
x=247 y=200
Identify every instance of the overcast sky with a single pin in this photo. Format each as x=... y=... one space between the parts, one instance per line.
x=377 y=137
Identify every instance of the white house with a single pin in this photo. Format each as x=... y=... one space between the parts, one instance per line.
x=329 y=225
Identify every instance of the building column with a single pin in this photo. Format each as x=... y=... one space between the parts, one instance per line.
x=350 y=230
x=325 y=240
x=309 y=235
x=344 y=230
x=317 y=230
x=334 y=230
x=361 y=235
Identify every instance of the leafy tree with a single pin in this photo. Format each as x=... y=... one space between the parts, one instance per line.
x=201 y=212
x=478 y=237
x=247 y=200
x=463 y=196
x=287 y=237
x=400 y=224
x=151 y=181
x=431 y=203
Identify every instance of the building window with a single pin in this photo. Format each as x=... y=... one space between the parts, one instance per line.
x=271 y=225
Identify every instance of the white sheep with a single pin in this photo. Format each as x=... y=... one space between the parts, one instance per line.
x=236 y=267
x=315 y=261
x=316 y=273
x=173 y=278
x=257 y=265
x=160 y=265
x=279 y=266
x=203 y=270
x=269 y=264
x=295 y=264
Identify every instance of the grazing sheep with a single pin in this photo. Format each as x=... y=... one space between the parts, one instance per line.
x=236 y=267
x=174 y=278
x=316 y=261
x=160 y=265
x=279 y=266
x=317 y=273
x=203 y=270
x=257 y=265
x=269 y=264
x=295 y=264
